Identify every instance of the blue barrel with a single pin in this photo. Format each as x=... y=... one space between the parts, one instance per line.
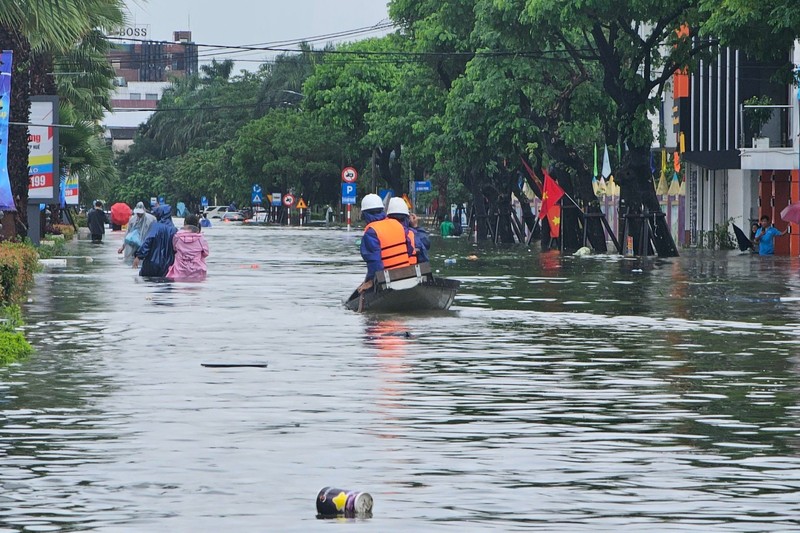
x=333 y=502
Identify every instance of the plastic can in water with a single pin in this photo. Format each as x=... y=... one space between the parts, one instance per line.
x=333 y=502
x=450 y=261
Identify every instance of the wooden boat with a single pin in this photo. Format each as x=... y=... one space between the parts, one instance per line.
x=412 y=288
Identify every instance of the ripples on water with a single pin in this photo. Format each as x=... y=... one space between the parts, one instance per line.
x=564 y=394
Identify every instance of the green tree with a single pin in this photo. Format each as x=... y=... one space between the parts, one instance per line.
x=341 y=92
x=291 y=150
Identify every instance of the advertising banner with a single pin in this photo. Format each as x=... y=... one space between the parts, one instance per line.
x=43 y=143
x=6 y=198
x=71 y=190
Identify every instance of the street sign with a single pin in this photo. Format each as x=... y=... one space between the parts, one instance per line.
x=422 y=186
x=348 y=193
x=301 y=204
x=276 y=199
x=349 y=175
x=204 y=201
x=255 y=198
x=257 y=188
x=288 y=200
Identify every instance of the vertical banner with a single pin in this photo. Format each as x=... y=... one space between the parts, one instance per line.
x=71 y=189
x=43 y=143
x=6 y=198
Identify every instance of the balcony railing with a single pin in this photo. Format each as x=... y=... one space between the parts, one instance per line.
x=765 y=126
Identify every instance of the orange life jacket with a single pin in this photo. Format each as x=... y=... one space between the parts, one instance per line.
x=392 y=236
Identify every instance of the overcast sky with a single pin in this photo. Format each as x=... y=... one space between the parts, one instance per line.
x=247 y=22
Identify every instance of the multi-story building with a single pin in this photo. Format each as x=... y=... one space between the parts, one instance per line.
x=144 y=69
x=741 y=156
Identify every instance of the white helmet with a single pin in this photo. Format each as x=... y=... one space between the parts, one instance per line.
x=397 y=206
x=371 y=201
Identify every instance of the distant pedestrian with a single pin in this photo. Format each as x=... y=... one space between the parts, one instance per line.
x=157 y=253
x=204 y=222
x=446 y=228
x=765 y=236
x=138 y=228
x=97 y=220
x=191 y=250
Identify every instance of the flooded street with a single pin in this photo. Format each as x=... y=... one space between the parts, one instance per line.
x=558 y=394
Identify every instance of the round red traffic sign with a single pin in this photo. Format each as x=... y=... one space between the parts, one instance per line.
x=349 y=175
x=288 y=200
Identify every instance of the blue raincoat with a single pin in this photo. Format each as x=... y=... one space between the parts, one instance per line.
x=157 y=251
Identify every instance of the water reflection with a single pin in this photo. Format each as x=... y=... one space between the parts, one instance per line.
x=567 y=393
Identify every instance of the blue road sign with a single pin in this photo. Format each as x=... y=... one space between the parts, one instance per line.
x=276 y=199
x=204 y=201
x=422 y=186
x=257 y=188
x=255 y=198
x=348 y=193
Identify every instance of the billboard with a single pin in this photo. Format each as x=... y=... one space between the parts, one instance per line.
x=43 y=144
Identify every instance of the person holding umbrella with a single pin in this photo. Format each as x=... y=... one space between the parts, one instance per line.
x=765 y=236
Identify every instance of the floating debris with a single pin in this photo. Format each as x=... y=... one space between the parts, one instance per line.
x=332 y=503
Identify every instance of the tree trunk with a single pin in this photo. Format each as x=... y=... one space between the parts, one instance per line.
x=390 y=168
x=479 y=207
x=640 y=198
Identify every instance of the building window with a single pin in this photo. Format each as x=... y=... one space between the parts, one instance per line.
x=136 y=96
x=151 y=96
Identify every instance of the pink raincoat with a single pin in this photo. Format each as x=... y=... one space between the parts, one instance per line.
x=191 y=250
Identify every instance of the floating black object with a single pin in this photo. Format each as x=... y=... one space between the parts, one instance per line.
x=234 y=365
x=332 y=502
x=742 y=239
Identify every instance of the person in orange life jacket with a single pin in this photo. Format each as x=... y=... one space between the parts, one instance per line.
x=385 y=244
x=417 y=237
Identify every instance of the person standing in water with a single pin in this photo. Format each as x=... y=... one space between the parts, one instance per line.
x=157 y=252
x=191 y=250
x=138 y=228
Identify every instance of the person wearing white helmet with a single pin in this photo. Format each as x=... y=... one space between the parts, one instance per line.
x=384 y=245
x=418 y=237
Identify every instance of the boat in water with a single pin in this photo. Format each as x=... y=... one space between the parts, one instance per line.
x=406 y=289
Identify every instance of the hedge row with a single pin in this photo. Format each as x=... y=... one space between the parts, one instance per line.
x=18 y=262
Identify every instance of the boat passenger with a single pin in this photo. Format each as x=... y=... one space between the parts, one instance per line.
x=157 y=252
x=417 y=237
x=191 y=250
x=385 y=244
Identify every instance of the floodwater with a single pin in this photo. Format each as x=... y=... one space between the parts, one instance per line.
x=559 y=394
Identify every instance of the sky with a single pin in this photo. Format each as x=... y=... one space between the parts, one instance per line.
x=248 y=22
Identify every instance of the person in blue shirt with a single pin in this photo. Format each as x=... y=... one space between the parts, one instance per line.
x=765 y=236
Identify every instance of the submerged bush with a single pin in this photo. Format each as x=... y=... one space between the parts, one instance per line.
x=18 y=262
x=13 y=345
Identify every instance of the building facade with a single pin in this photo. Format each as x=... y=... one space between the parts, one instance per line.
x=740 y=131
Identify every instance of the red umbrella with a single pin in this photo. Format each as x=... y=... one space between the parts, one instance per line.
x=120 y=214
x=791 y=213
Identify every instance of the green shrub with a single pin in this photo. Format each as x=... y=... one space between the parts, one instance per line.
x=18 y=262
x=58 y=248
x=63 y=229
x=13 y=347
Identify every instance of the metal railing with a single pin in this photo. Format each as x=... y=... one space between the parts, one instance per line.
x=765 y=126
